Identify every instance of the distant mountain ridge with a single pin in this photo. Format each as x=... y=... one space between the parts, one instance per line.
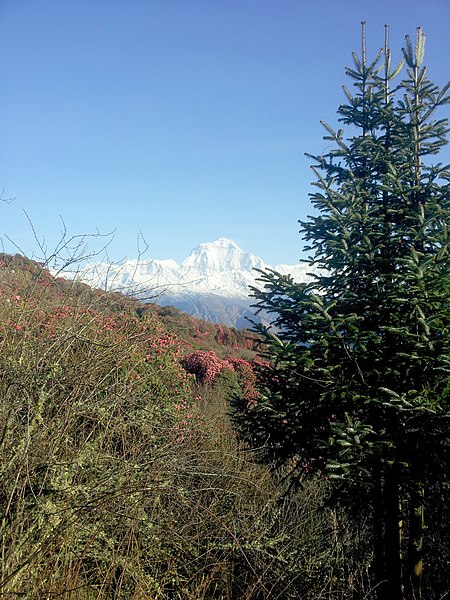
x=213 y=282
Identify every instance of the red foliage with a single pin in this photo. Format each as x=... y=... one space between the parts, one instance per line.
x=246 y=377
x=206 y=366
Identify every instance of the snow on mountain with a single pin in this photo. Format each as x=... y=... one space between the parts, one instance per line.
x=216 y=275
x=220 y=256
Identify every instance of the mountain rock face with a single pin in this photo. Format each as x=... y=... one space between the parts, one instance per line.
x=212 y=283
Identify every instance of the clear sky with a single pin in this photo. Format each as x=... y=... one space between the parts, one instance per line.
x=186 y=120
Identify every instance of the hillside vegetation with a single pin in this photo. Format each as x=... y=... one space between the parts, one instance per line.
x=120 y=474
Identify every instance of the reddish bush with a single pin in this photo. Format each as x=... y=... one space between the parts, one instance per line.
x=246 y=376
x=206 y=366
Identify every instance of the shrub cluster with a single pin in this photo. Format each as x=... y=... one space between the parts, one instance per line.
x=209 y=369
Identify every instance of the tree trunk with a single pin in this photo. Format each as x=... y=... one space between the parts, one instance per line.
x=416 y=537
x=387 y=530
x=378 y=537
x=393 y=529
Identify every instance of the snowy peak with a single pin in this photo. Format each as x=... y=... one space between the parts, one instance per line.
x=222 y=255
x=213 y=274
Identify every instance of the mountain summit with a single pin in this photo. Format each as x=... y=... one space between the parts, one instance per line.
x=212 y=282
x=223 y=255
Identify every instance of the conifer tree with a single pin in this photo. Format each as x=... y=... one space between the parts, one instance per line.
x=356 y=389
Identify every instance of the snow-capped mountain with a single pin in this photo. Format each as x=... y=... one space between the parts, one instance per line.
x=212 y=282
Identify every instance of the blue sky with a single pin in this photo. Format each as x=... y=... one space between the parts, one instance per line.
x=186 y=120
